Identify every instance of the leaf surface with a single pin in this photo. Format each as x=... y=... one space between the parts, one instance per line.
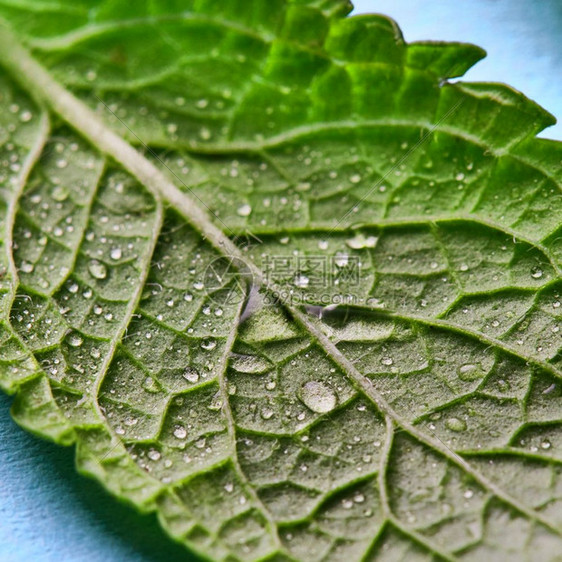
x=280 y=281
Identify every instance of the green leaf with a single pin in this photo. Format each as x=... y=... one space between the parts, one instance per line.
x=280 y=281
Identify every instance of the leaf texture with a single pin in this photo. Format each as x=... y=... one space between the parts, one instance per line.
x=280 y=281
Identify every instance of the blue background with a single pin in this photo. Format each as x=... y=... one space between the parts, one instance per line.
x=50 y=514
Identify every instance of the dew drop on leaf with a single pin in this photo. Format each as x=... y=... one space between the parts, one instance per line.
x=266 y=413
x=536 y=272
x=318 y=397
x=97 y=270
x=216 y=402
x=26 y=267
x=301 y=281
x=191 y=375
x=360 y=241
x=209 y=344
x=75 y=340
x=149 y=384
x=244 y=210
x=154 y=455
x=455 y=424
x=180 y=432
x=60 y=193
x=470 y=372
x=341 y=259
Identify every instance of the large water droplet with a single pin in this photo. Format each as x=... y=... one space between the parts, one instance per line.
x=301 y=281
x=75 y=340
x=97 y=270
x=266 y=413
x=191 y=375
x=26 y=267
x=455 y=424
x=536 y=272
x=360 y=241
x=150 y=385
x=216 y=402
x=180 y=432
x=244 y=210
x=341 y=259
x=60 y=193
x=209 y=344
x=154 y=455
x=470 y=372
x=318 y=397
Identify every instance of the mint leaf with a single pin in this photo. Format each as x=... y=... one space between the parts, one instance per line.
x=280 y=281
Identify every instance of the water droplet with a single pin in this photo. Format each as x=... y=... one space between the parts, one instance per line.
x=341 y=259
x=355 y=178
x=26 y=116
x=191 y=375
x=536 y=272
x=470 y=372
x=546 y=444
x=115 y=253
x=26 y=267
x=216 y=402
x=209 y=344
x=323 y=245
x=266 y=413
x=468 y=494
x=387 y=361
x=455 y=424
x=180 y=432
x=360 y=241
x=97 y=269
x=149 y=384
x=301 y=281
x=318 y=397
x=244 y=210
x=154 y=455
x=75 y=340
x=60 y=193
